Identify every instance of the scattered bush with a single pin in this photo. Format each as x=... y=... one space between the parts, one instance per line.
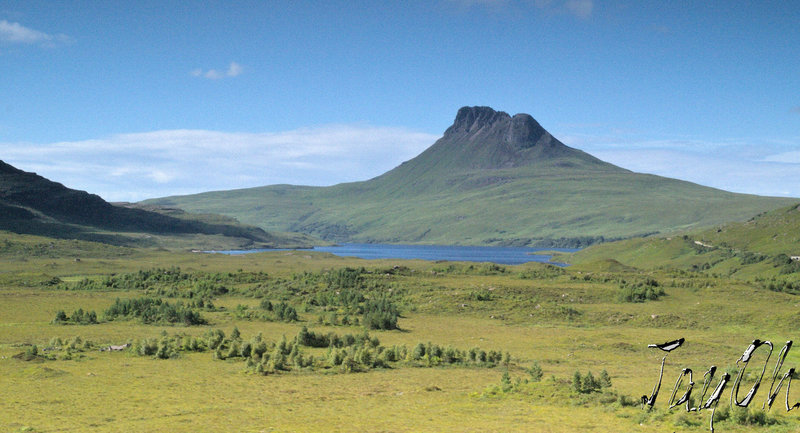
x=481 y=295
x=751 y=417
x=647 y=290
x=79 y=317
x=588 y=384
x=267 y=311
x=535 y=372
x=153 y=311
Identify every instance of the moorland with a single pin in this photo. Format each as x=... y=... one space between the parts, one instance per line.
x=304 y=341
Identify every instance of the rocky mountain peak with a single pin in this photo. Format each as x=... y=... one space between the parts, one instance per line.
x=520 y=131
x=472 y=119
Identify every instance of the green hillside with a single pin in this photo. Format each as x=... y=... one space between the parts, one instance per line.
x=492 y=179
x=766 y=248
x=31 y=204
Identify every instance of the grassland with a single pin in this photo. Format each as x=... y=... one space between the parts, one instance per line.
x=566 y=320
x=759 y=249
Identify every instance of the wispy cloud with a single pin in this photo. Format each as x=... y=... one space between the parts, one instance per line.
x=762 y=177
x=738 y=165
x=785 y=157
x=16 y=33
x=132 y=167
x=234 y=70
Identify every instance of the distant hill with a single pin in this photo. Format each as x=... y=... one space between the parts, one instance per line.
x=31 y=204
x=492 y=179
x=765 y=246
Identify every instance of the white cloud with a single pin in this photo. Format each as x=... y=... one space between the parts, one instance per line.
x=740 y=165
x=785 y=157
x=16 y=33
x=729 y=173
x=213 y=74
x=132 y=167
x=234 y=70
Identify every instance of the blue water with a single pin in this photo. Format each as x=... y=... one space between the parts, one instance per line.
x=499 y=255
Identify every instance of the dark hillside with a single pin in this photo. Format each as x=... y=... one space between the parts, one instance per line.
x=31 y=204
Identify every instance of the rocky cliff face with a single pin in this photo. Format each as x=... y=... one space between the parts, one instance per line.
x=483 y=138
x=520 y=131
x=471 y=120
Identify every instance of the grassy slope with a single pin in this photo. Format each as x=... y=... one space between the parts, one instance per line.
x=566 y=321
x=723 y=249
x=773 y=232
x=529 y=203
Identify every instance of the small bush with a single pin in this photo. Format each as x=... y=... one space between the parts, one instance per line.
x=586 y=384
x=535 y=372
x=79 y=317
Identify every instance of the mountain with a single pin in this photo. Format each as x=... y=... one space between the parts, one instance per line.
x=31 y=204
x=492 y=179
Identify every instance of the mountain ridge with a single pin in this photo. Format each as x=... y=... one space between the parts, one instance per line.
x=491 y=179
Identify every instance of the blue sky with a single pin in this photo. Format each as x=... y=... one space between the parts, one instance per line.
x=132 y=100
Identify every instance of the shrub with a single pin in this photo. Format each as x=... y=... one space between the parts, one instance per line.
x=505 y=382
x=380 y=314
x=286 y=312
x=31 y=353
x=79 y=317
x=214 y=338
x=640 y=292
x=605 y=379
x=482 y=295
x=153 y=311
x=586 y=384
x=590 y=384
x=535 y=372
x=753 y=417
x=577 y=382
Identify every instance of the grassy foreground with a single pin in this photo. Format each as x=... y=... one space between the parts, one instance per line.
x=564 y=321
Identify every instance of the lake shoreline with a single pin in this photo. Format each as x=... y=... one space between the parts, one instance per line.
x=455 y=253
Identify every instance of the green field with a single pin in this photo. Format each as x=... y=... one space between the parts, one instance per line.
x=564 y=321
